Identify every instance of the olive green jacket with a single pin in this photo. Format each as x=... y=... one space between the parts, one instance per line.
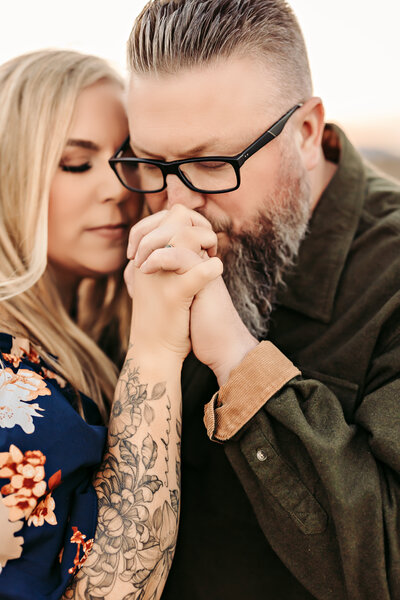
x=320 y=462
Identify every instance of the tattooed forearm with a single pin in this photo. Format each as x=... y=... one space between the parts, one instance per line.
x=138 y=496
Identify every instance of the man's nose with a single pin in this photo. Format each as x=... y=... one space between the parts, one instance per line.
x=179 y=193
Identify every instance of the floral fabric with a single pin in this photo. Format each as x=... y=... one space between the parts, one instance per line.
x=48 y=455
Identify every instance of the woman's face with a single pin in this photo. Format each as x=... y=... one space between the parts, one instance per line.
x=90 y=212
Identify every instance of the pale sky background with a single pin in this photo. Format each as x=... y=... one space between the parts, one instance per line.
x=354 y=50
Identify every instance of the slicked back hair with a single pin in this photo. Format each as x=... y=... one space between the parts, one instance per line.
x=171 y=35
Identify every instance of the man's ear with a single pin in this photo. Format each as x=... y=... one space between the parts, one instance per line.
x=311 y=128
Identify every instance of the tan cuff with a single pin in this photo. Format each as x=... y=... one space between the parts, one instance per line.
x=255 y=380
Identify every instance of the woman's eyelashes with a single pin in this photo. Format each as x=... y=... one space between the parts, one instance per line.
x=75 y=168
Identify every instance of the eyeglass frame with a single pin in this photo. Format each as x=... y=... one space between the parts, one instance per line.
x=172 y=167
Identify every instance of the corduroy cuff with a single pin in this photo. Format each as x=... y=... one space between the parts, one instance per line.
x=263 y=372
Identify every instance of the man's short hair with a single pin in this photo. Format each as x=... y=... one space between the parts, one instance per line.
x=171 y=35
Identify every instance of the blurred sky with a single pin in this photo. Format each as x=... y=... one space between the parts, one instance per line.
x=354 y=50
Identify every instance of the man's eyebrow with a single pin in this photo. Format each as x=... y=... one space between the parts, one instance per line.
x=190 y=153
x=83 y=144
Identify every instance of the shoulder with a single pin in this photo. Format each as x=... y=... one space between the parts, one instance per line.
x=378 y=234
x=48 y=454
x=21 y=382
x=382 y=200
x=37 y=406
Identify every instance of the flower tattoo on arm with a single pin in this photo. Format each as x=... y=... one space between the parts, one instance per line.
x=138 y=496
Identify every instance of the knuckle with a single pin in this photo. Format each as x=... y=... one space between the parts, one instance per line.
x=181 y=238
x=164 y=258
x=146 y=245
x=178 y=210
x=136 y=227
x=220 y=266
x=157 y=257
x=203 y=221
x=213 y=267
x=212 y=238
x=133 y=235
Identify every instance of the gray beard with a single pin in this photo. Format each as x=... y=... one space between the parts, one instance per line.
x=256 y=259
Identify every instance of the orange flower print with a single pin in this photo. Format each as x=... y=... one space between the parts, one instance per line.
x=21 y=348
x=33 y=356
x=13 y=359
x=16 y=390
x=29 y=384
x=44 y=511
x=52 y=375
x=79 y=539
x=27 y=485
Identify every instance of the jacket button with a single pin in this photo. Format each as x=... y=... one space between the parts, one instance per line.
x=261 y=455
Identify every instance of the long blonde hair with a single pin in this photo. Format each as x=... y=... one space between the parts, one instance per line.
x=38 y=93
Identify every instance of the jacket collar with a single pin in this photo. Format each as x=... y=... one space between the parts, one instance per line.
x=311 y=285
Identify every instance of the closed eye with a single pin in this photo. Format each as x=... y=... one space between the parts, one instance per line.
x=210 y=164
x=148 y=166
x=76 y=168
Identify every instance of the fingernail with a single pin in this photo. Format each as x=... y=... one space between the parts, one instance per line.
x=129 y=252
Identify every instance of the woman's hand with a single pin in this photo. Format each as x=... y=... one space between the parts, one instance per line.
x=162 y=290
x=178 y=226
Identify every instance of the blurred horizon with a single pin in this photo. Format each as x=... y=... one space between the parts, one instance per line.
x=378 y=142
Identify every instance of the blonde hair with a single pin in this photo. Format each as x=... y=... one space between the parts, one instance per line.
x=38 y=93
x=170 y=35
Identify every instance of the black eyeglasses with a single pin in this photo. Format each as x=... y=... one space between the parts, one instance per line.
x=206 y=174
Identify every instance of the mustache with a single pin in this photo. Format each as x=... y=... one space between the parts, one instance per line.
x=219 y=225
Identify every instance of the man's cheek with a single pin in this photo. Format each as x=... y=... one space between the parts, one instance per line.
x=156 y=202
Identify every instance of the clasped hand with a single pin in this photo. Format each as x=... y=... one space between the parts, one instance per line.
x=179 y=298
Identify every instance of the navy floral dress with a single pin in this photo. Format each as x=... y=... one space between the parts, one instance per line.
x=48 y=456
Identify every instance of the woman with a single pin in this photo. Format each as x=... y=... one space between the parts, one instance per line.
x=65 y=323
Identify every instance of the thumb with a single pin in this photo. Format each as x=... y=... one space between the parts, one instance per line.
x=191 y=282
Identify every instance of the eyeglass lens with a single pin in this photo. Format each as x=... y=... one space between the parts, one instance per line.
x=207 y=175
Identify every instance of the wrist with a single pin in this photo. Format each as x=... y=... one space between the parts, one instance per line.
x=233 y=358
x=157 y=344
x=154 y=357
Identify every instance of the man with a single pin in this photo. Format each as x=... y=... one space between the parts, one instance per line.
x=294 y=493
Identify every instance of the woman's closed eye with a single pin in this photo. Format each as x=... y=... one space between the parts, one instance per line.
x=75 y=168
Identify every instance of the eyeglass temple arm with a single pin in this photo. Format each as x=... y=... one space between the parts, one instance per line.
x=279 y=125
x=122 y=147
x=268 y=136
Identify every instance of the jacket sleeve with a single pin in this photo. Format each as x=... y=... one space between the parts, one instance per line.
x=326 y=490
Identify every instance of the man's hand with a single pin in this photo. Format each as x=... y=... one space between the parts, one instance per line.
x=219 y=337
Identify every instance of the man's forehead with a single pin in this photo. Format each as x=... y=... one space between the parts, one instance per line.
x=204 y=109
x=250 y=80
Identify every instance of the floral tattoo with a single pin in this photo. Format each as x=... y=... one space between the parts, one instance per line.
x=138 y=508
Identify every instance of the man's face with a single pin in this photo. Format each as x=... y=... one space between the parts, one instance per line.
x=219 y=110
